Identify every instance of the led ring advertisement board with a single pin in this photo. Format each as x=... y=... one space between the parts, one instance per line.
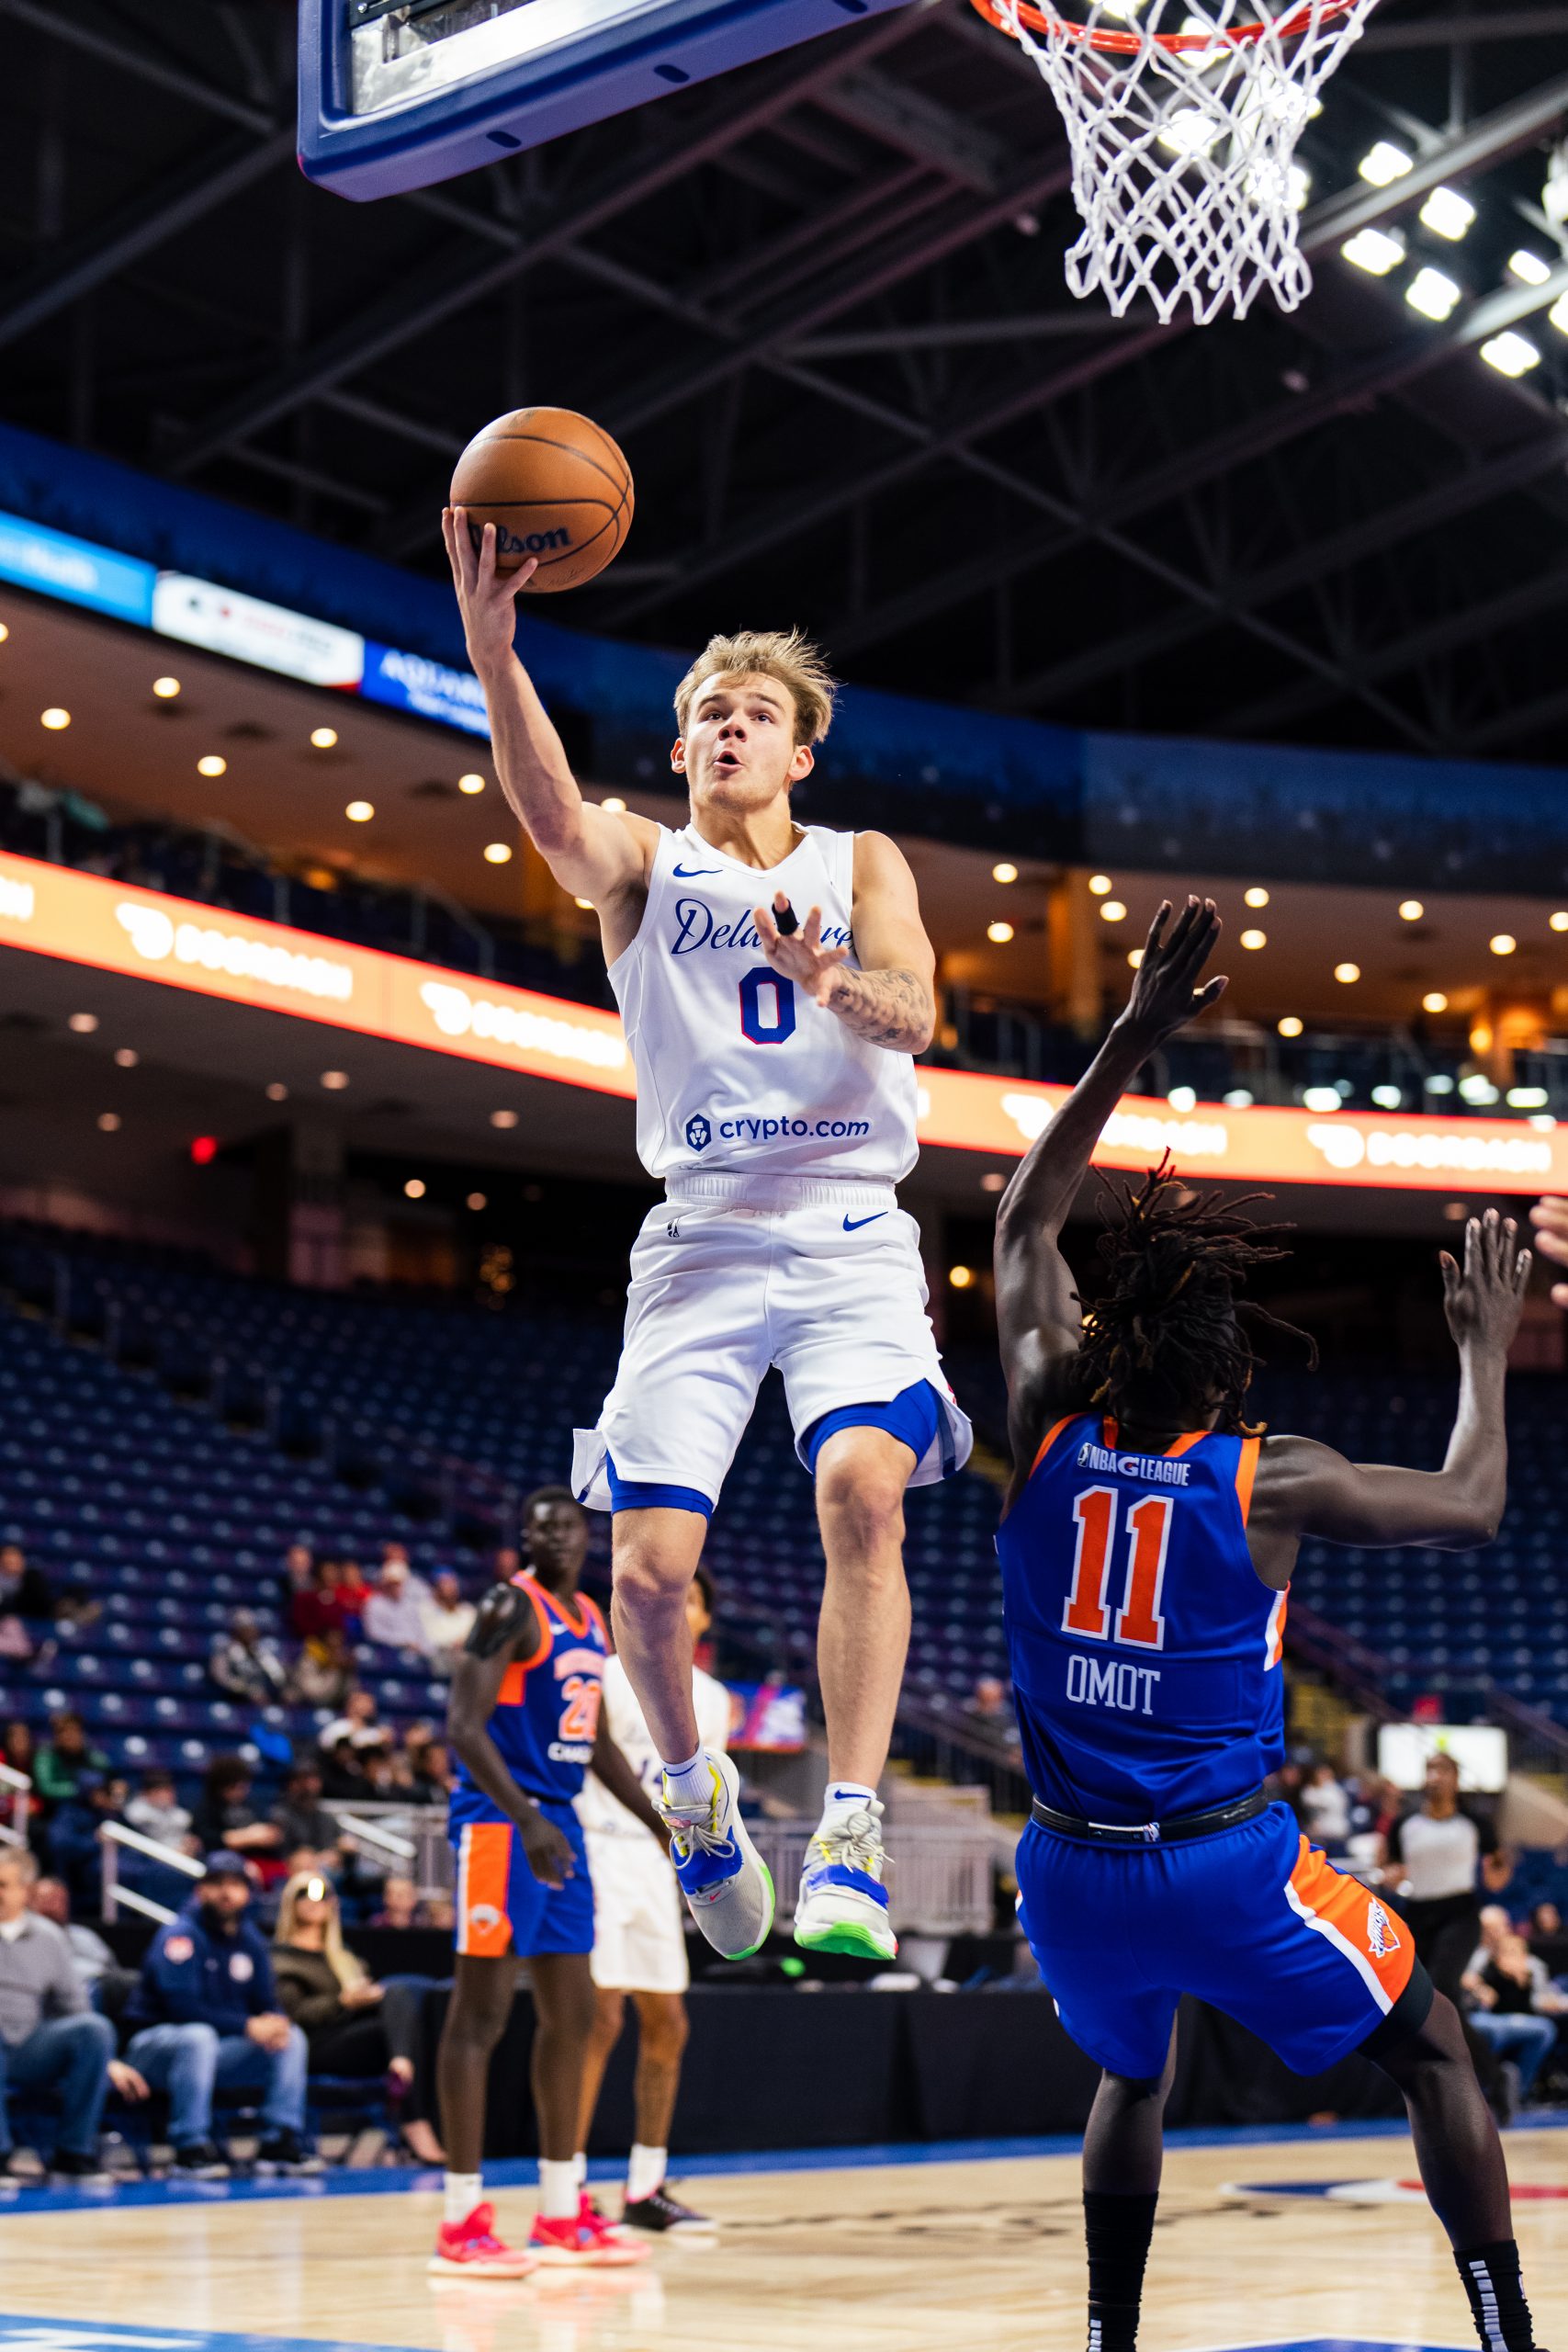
x=82 y=919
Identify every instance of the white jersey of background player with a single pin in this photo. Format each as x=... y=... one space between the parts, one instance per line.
x=776 y=1098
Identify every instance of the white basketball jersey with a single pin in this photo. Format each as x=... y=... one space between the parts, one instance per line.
x=627 y=1726
x=736 y=1067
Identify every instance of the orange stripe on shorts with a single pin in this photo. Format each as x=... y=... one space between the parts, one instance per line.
x=484 y=1870
x=1375 y=1940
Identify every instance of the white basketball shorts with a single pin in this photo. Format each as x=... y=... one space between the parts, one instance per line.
x=733 y=1274
x=639 y=1945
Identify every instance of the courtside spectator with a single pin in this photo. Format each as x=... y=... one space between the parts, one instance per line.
x=24 y=1589
x=52 y=2040
x=92 y=1956
x=394 y=1615
x=204 y=2018
x=1325 y=1807
x=448 y=1620
x=506 y=1562
x=1547 y=1938
x=400 y=1905
x=224 y=1815
x=432 y=1771
x=309 y=1833
x=354 y=2025
x=246 y=1664
x=358 y=1715
x=1516 y=2009
x=157 y=1811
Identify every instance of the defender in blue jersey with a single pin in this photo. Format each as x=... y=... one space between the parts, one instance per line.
x=524 y=1724
x=1146 y=1551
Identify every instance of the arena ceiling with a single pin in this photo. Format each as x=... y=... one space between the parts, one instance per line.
x=821 y=303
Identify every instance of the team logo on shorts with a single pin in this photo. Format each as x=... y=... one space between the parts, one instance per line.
x=1381 y=1936
x=699 y=1135
x=483 y=1918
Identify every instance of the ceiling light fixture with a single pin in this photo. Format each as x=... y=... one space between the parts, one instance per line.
x=961 y=1277
x=1511 y=355
x=54 y=718
x=84 y=1023
x=1448 y=214
x=414 y=1188
x=1113 y=911
x=1254 y=939
x=1411 y=910
x=1005 y=872
x=166 y=688
x=1376 y=251
x=1434 y=1001
x=614 y=805
x=277 y=1092
x=1258 y=895
x=1347 y=974
x=334 y=1080
x=1289 y=1026
x=126 y=1056
x=999 y=933
x=1384 y=162
x=477 y=1201
x=324 y=737
x=1136 y=957
x=1558 y=921
x=213 y=764
x=1528 y=267
x=359 y=812
x=1100 y=884
x=1502 y=943
x=1434 y=294
x=497 y=852
x=470 y=783
x=1182 y=1098
x=1558 y=314
x=992 y=1181
x=108 y=1123
x=503 y=1118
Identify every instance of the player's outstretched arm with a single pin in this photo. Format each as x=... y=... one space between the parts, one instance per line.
x=591 y=853
x=891 y=1001
x=1304 y=1489
x=1038 y=1318
x=504 y=1616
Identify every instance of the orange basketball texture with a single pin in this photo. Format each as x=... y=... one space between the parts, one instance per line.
x=555 y=485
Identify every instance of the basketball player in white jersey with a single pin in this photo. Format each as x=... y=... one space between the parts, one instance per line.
x=775 y=981
x=639 y=1949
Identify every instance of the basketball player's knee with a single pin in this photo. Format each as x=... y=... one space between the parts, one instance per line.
x=861 y=1504
x=664 y=2029
x=648 y=1585
x=609 y=2017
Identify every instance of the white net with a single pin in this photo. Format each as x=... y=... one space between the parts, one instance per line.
x=1183 y=118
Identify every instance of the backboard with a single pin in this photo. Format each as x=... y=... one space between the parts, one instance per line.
x=401 y=94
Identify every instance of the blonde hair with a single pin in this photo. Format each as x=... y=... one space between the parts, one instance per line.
x=335 y=1951
x=786 y=655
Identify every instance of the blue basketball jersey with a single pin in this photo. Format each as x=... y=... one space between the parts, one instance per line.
x=546 y=1715
x=1145 y=1653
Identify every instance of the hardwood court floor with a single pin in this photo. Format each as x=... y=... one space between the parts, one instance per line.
x=911 y=2257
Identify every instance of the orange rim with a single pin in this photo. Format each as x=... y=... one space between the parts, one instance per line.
x=1129 y=44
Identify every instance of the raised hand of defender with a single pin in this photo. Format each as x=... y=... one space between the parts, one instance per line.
x=1484 y=1300
x=799 y=956
x=1166 y=993
x=486 y=598
x=1550 y=1219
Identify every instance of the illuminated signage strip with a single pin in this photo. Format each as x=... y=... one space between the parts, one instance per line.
x=240 y=627
x=52 y=911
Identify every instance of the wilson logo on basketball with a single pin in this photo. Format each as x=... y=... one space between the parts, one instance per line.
x=1381 y=1936
x=530 y=542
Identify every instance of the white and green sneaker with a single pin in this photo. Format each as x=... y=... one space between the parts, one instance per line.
x=843 y=1903
x=721 y=1874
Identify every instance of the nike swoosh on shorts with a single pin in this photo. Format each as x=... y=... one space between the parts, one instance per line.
x=853 y=1225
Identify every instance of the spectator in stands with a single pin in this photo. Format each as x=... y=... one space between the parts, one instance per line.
x=354 y=1593
x=432 y=1771
x=354 y=2025
x=225 y=1816
x=206 y=2018
x=395 y=1613
x=24 y=1589
x=322 y=1674
x=1548 y=1940
x=358 y=1714
x=18 y=1753
x=400 y=1906
x=1325 y=1807
x=90 y=1955
x=157 y=1811
x=51 y=2038
x=987 y=1712
x=298 y=1575
x=506 y=1564
x=246 y=1664
x=448 y=1620
x=1515 y=2008
x=66 y=1760
x=310 y=1834
x=318 y=1606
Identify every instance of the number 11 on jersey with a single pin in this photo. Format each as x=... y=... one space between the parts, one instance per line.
x=1086 y=1611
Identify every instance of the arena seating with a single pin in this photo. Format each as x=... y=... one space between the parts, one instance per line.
x=122 y=1471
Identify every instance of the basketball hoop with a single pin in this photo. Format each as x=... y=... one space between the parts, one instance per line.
x=1183 y=119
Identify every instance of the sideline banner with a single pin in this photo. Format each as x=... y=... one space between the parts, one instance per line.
x=82 y=919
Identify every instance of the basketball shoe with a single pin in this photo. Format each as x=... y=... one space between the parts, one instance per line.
x=722 y=1876
x=843 y=1903
x=470 y=2249
x=658 y=2212
x=585 y=2239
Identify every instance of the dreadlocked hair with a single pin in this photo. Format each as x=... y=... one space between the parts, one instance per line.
x=1167 y=1324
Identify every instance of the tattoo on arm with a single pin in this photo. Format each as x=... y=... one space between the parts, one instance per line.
x=891 y=1009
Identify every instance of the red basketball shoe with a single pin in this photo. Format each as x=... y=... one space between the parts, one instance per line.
x=586 y=2240
x=470 y=2249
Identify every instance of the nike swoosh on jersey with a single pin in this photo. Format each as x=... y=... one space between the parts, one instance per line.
x=690 y=873
x=853 y=1225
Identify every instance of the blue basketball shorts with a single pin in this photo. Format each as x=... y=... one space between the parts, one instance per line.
x=502 y=1906
x=1255 y=1921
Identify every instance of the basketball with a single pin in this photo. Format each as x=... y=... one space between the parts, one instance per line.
x=555 y=485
